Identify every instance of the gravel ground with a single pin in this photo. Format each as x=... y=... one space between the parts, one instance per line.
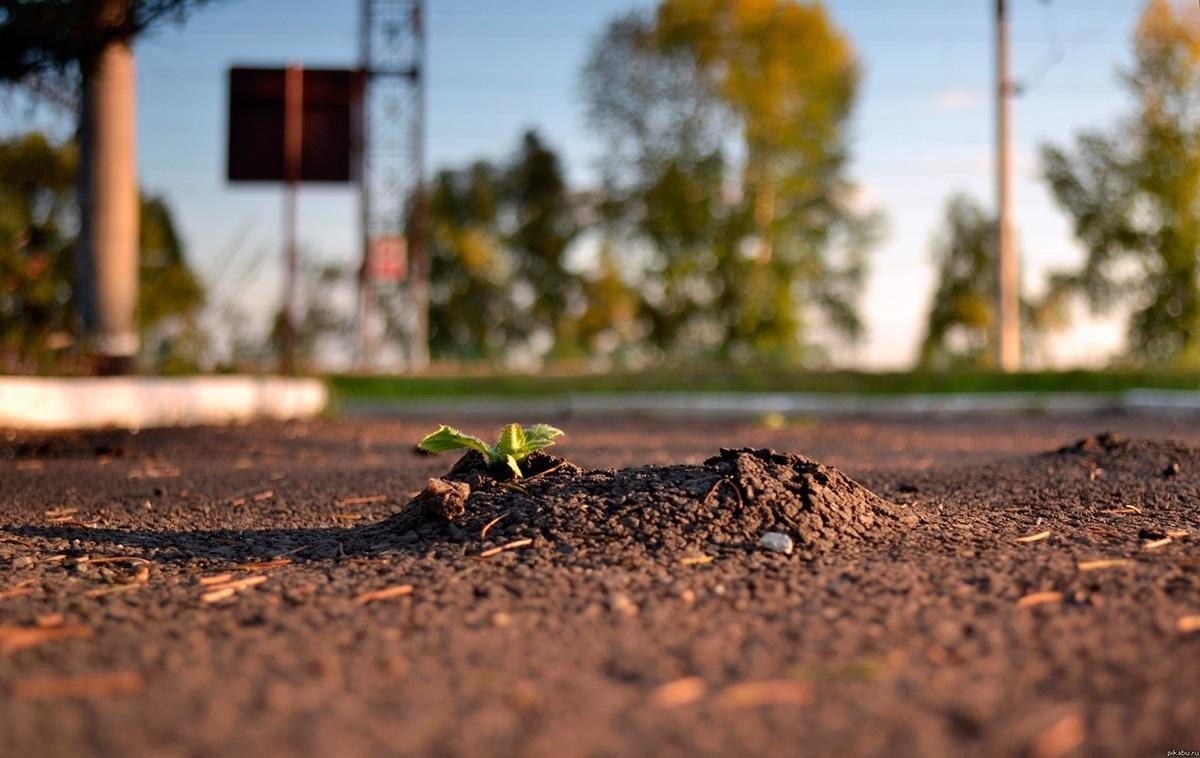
x=239 y=591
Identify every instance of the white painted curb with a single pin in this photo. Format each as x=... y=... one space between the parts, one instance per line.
x=28 y=402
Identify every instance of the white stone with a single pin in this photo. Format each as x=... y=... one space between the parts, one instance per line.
x=777 y=542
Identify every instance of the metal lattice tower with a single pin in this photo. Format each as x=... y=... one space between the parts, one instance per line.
x=392 y=50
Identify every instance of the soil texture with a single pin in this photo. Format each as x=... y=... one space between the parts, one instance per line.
x=989 y=585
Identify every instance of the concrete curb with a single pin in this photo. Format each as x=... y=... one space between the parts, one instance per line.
x=753 y=404
x=144 y=402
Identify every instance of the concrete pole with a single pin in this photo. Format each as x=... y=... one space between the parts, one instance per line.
x=109 y=207
x=1008 y=277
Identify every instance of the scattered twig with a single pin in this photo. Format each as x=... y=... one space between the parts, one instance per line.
x=114 y=589
x=488 y=526
x=208 y=581
x=766 y=692
x=216 y=595
x=295 y=550
x=1034 y=537
x=513 y=486
x=363 y=500
x=95 y=522
x=555 y=467
x=265 y=495
x=13 y=638
x=17 y=590
x=1155 y=544
x=239 y=584
x=696 y=560
x=677 y=693
x=386 y=593
x=1039 y=598
x=270 y=565
x=1103 y=564
x=724 y=480
x=113 y=559
x=107 y=684
x=1060 y=738
x=510 y=546
x=154 y=471
x=221 y=590
x=59 y=515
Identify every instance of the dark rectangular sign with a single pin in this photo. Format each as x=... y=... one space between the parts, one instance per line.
x=331 y=132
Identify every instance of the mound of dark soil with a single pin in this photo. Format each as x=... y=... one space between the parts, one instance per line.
x=1112 y=452
x=729 y=501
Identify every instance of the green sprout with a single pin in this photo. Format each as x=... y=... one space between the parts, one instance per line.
x=515 y=443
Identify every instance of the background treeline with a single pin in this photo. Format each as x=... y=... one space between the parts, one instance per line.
x=724 y=227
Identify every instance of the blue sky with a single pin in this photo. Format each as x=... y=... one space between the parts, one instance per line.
x=922 y=129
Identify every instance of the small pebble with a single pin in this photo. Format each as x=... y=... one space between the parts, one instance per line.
x=22 y=561
x=777 y=542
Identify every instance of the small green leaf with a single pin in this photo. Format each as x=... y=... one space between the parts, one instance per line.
x=537 y=437
x=512 y=464
x=511 y=442
x=448 y=438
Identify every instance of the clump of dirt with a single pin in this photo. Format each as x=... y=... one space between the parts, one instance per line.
x=1133 y=456
x=727 y=502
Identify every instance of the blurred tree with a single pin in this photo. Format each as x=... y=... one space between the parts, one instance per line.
x=500 y=284
x=38 y=36
x=958 y=331
x=37 y=183
x=538 y=223
x=87 y=46
x=38 y=227
x=726 y=125
x=959 y=327
x=470 y=308
x=170 y=295
x=1134 y=195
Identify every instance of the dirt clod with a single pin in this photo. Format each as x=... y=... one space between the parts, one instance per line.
x=731 y=499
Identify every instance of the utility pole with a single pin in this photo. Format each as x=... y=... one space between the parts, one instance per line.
x=392 y=174
x=109 y=206
x=1008 y=276
x=418 y=235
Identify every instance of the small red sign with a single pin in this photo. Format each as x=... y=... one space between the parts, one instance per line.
x=389 y=259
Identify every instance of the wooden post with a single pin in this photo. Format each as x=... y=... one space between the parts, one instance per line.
x=293 y=136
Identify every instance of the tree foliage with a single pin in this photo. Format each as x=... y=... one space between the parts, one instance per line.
x=500 y=283
x=960 y=325
x=44 y=35
x=726 y=132
x=38 y=224
x=1134 y=196
x=958 y=331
